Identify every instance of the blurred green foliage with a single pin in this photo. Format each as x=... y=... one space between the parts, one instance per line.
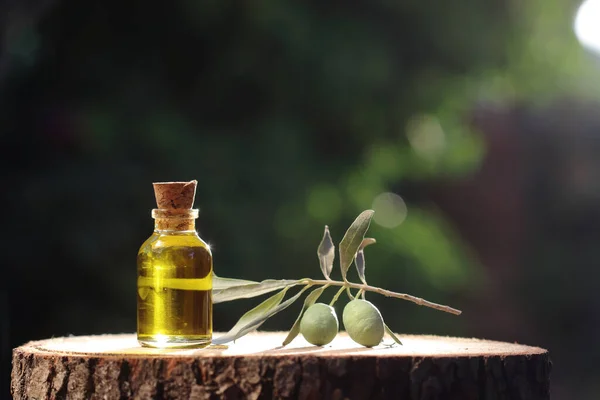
x=291 y=115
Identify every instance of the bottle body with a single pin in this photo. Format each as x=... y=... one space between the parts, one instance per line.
x=174 y=290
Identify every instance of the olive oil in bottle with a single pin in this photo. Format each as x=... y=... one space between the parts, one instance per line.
x=174 y=274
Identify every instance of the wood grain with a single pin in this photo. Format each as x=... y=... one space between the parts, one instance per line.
x=256 y=367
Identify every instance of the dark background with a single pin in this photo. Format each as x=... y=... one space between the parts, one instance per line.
x=482 y=116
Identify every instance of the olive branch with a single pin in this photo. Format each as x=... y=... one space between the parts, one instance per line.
x=351 y=250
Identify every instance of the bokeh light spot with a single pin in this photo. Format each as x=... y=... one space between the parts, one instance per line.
x=426 y=136
x=587 y=26
x=390 y=210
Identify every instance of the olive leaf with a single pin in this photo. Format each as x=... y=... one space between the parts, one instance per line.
x=366 y=242
x=251 y=316
x=392 y=334
x=308 y=301
x=259 y=314
x=243 y=291
x=225 y=283
x=352 y=240
x=359 y=260
x=326 y=253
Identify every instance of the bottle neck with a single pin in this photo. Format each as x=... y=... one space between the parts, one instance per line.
x=175 y=221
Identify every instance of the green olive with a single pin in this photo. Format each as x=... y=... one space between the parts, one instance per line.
x=363 y=322
x=319 y=324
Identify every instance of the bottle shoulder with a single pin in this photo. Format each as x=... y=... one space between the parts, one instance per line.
x=162 y=240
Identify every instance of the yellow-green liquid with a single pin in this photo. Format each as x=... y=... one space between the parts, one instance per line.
x=174 y=291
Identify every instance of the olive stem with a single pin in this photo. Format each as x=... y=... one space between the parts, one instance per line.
x=337 y=296
x=348 y=291
x=384 y=292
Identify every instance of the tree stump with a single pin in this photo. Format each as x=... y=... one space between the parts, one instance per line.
x=256 y=367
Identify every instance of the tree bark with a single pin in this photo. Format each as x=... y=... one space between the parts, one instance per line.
x=255 y=367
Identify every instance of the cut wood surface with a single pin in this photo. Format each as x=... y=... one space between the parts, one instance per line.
x=256 y=367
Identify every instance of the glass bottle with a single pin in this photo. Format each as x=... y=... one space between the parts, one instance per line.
x=174 y=286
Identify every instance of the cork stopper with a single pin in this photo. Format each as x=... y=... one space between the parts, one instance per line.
x=175 y=195
x=175 y=201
